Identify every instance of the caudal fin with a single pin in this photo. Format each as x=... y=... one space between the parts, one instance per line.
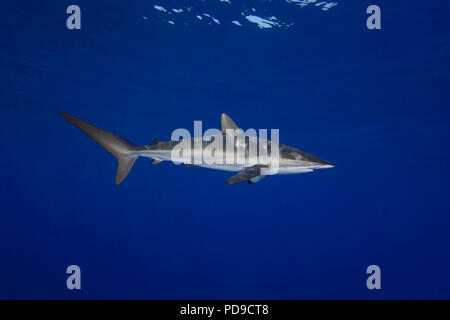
x=120 y=148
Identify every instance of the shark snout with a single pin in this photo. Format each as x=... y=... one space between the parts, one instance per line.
x=324 y=164
x=319 y=163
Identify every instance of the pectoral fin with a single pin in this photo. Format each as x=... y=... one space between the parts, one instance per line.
x=247 y=174
x=255 y=179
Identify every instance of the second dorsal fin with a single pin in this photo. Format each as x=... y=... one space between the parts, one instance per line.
x=227 y=123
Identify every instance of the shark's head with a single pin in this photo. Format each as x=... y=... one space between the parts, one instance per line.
x=294 y=157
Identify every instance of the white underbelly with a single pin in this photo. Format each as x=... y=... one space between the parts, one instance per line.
x=167 y=156
x=224 y=167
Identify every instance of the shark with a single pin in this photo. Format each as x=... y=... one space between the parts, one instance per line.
x=251 y=167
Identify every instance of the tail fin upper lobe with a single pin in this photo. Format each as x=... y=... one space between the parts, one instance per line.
x=120 y=148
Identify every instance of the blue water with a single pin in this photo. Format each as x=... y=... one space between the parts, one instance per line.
x=375 y=103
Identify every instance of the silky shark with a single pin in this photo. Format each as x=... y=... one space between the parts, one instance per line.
x=250 y=166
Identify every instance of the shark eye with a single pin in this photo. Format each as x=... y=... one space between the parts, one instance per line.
x=291 y=153
x=288 y=154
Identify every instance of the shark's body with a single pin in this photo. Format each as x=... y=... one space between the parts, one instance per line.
x=251 y=167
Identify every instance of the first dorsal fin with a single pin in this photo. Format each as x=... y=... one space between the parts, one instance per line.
x=156 y=141
x=227 y=123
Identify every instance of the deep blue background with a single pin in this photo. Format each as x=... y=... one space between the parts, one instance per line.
x=375 y=103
